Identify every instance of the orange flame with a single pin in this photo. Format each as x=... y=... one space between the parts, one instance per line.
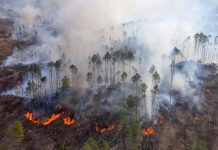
x=30 y=117
x=69 y=121
x=148 y=131
x=51 y=119
x=103 y=130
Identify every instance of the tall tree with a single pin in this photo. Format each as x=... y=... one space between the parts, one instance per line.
x=31 y=89
x=144 y=89
x=57 y=69
x=172 y=76
x=117 y=56
x=113 y=70
x=43 y=81
x=74 y=71
x=123 y=78
x=51 y=66
x=89 y=78
x=96 y=63
x=130 y=58
x=151 y=71
x=36 y=76
x=107 y=58
x=132 y=103
x=123 y=58
x=155 y=90
x=135 y=79
x=65 y=83
x=99 y=80
x=134 y=135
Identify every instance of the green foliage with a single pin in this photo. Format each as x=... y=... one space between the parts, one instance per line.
x=105 y=145
x=122 y=117
x=96 y=60
x=31 y=88
x=73 y=69
x=156 y=78
x=124 y=76
x=51 y=64
x=57 y=65
x=155 y=90
x=130 y=55
x=144 y=87
x=99 y=79
x=198 y=146
x=134 y=135
x=90 y=144
x=136 y=78
x=65 y=82
x=18 y=129
x=63 y=148
x=44 y=79
x=35 y=69
x=152 y=69
x=132 y=102
x=107 y=56
x=15 y=131
x=89 y=78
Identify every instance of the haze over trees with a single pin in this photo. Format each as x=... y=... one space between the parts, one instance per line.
x=118 y=68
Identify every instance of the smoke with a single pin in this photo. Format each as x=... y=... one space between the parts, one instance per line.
x=79 y=28
x=160 y=24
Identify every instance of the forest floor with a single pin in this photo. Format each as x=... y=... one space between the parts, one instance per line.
x=175 y=133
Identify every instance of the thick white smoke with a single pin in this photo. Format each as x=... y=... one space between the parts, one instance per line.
x=162 y=24
x=80 y=28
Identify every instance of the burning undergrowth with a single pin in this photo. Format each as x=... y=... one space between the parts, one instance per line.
x=105 y=123
x=122 y=76
x=101 y=98
x=46 y=119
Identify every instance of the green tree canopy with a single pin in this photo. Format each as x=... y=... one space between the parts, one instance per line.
x=15 y=131
x=90 y=144
x=65 y=82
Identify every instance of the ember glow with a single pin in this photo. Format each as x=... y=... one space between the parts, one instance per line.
x=148 y=131
x=103 y=130
x=53 y=117
x=69 y=121
x=30 y=117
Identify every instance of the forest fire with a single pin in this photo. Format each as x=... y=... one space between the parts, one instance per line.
x=30 y=117
x=69 y=121
x=148 y=131
x=103 y=130
x=53 y=117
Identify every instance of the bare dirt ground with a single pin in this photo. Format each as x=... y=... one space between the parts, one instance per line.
x=7 y=44
x=8 y=76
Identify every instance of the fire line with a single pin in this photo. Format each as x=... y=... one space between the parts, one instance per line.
x=148 y=131
x=103 y=130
